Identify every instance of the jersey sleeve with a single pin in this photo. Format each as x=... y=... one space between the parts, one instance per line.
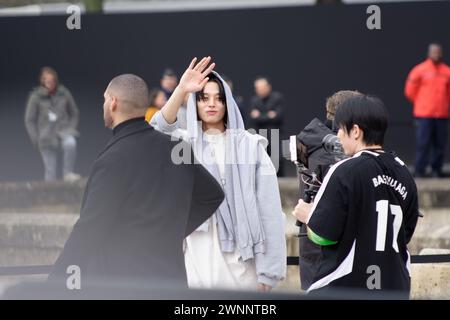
x=329 y=213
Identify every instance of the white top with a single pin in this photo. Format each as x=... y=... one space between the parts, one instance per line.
x=217 y=144
x=206 y=265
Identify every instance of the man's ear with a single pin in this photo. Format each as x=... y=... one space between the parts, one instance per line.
x=113 y=105
x=357 y=132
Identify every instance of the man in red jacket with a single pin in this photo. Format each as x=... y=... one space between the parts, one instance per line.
x=428 y=88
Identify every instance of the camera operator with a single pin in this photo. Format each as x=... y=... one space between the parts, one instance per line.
x=317 y=160
x=366 y=209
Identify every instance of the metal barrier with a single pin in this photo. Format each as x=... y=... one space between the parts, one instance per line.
x=432 y=258
x=291 y=261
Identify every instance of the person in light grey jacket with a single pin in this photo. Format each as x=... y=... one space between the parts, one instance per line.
x=51 y=120
x=242 y=246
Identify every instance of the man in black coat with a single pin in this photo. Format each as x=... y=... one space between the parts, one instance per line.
x=266 y=113
x=266 y=107
x=138 y=205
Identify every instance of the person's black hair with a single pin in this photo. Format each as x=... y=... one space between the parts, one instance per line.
x=153 y=94
x=264 y=78
x=222 y=97
x=213 y=78
x=368 y=112
x=168 y=72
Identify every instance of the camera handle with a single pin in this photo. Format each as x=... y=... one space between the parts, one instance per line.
x=308 y=197
x=310 y=192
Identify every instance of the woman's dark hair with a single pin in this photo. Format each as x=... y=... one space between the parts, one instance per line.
x=152 y=95
x=368 y=112
x=213 y=78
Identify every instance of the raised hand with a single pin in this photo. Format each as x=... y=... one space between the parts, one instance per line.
x=195 y=76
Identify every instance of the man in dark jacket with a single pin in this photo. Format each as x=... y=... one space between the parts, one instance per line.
x=138 y=205
x=266 y=112
x=318 y=161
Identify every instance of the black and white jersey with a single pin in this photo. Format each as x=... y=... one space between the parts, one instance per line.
x=368 y=205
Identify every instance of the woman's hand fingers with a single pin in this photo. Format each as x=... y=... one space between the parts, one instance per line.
x=195 y=77
x=199 y=65
x=208 y=70
x=191 y=66
x=203 y=83
x=204 y=63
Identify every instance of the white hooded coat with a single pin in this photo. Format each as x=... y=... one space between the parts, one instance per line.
x=250 y=220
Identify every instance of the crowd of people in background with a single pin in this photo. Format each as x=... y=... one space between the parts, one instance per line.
x=52 y=116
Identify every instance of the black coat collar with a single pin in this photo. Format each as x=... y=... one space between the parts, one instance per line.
x=125 y=129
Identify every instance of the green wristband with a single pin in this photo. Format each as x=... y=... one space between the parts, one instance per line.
x=318 y=239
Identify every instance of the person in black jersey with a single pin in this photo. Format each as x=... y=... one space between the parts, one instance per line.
x=366 y=209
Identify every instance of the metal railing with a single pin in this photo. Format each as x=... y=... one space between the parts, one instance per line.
x=291 y=261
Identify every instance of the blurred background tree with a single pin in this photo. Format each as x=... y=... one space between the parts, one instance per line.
x=93 y=5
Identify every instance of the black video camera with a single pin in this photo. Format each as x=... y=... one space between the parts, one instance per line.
x=296 y=152
x=313 y=151
x=333 y=146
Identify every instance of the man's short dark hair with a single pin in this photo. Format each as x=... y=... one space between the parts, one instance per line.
x=168 y=72
x=368 y=112
x=264 y=78
x=131 y=90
